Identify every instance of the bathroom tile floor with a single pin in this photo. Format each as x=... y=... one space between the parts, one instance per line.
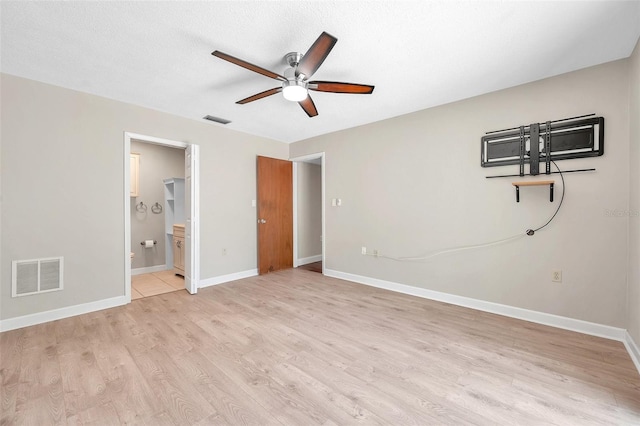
x=155 y=283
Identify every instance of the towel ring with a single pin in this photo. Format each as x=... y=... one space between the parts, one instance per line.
x=141 y=207
x=156 y=208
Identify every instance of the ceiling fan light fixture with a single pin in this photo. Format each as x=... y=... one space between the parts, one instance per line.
x=294 y=91
x=295 y=79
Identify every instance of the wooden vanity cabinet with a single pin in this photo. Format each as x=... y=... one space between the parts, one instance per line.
x=178 y=249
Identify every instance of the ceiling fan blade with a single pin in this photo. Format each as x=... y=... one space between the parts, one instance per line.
x=247 y=65
x=308 y=106
x=260 y=95
x=338 y=87
x=316 y=55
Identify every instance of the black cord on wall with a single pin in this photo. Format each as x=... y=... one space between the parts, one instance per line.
x=530 y=232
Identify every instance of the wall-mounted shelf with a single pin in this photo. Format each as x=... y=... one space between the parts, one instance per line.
x=534 y=183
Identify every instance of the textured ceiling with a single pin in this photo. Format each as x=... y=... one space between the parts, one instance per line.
x=417 y=54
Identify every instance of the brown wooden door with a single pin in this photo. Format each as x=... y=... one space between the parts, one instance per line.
x=275 y=214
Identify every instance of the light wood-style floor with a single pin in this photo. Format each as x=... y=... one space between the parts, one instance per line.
x=297 y=348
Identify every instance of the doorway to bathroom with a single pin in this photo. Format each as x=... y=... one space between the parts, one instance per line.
x=161 y=216
x=158 y=210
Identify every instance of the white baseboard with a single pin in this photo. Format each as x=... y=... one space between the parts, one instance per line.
x=226 y=278
x=310 y=259
x=557 y=321
x=56 y=314
x=149 y=269
x=633 y=350
x=70 y=311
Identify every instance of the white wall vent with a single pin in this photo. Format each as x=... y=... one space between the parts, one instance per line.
x=36 y=276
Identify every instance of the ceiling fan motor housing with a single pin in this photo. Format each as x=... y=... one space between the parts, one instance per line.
x=293 y=59
x=290 y=75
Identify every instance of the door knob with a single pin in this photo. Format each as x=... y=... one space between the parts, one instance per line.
x=262 y=221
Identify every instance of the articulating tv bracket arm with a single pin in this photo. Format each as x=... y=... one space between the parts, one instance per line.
x=534 y=149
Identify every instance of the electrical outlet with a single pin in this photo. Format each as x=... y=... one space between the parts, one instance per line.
x=556 y=276
x=375 y=252
x=364 y=250
x=224 y=251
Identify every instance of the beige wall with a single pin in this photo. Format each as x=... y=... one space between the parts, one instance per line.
x=633 y=323
x=409 y=185
x=63 y=183
x=413 y=184
x=157 y=163
x=309 y=177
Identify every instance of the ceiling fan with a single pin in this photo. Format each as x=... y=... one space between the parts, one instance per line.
x=295 y=81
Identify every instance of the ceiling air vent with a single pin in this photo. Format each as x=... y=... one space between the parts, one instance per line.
x=216 y=119
x=36 y=276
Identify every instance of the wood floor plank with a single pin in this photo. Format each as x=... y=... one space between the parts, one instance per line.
x=363 y=393
x=126 y=387
x=345 y=410
x=83 y=383
x=11 y=349
x=232 y=404
x=177 y=395
x=298 y=348
x=104 y=415
x=40 y=394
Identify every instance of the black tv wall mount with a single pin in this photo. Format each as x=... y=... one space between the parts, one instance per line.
x=575 y=137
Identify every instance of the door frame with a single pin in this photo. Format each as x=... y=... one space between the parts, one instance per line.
x=195 y=198
x=301 y=159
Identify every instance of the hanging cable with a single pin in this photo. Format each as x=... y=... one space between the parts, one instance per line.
x=450 y=250
x=529 y=232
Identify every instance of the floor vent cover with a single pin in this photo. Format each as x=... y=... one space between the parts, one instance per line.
x=36 y=276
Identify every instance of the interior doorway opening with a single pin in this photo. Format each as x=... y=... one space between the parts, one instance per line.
x=184 y=209
x=157 y=210
x=309 y=233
